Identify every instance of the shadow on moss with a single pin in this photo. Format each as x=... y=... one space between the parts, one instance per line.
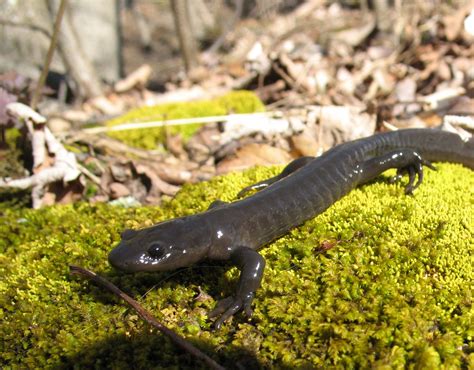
x=153 y=351
x=15 y=198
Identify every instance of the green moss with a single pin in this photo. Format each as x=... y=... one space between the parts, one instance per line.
x=10 y=157
x=11 y=165
x=233 y=102
x=395 y=291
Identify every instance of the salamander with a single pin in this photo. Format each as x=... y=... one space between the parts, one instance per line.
x=235 y=231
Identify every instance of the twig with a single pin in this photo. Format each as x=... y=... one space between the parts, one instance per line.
x=174 y=122
x=49 y=55
x=289 y=80
x=145 y=315
x=92 y=177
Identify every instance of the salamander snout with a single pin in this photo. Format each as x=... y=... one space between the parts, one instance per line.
x=117 y=260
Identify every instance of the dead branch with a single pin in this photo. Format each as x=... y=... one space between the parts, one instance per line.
x=75 y=59
x=186 y=38
x=49 y=55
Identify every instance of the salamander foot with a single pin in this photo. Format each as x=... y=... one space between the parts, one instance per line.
x=229 y=306
x=413 y=170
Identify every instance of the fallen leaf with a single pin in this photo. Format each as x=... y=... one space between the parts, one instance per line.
x=176 y=174
x=454 y=22
x=138 y=78
x=157 y=185
x=174 y=143
x=341 y=124
x=118 y=190
x=356 y=35
x=305 y=144
x=253 y=155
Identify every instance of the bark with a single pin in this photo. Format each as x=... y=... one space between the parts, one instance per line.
x=49 y=56
x=186 y=38
x=144 y=28
x=202 y=22
x=77 y=63
x=382 y=14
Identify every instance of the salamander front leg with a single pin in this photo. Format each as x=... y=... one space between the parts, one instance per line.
x=251 y=264
x=405 y=160
x=289 y=169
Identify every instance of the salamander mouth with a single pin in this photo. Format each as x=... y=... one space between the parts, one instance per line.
x=146 y=260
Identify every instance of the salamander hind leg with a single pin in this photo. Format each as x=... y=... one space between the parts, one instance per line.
x=413 y=171
x=405 y=160
x=289 y=169
x=217 y=204
x=251 y=265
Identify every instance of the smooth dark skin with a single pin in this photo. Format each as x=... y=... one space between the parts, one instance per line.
x=306 y=187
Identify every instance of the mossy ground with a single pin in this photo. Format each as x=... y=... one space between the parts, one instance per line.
x=394 y=291
x=233 y=102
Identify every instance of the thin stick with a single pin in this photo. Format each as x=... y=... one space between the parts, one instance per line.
x=174 y=122
x=93 y=177
x=147 y=316
x=49 y=56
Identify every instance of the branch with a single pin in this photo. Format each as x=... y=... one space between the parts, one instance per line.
x=145 y=315
x=76 y=61
x=186 y=38
x=49 y=55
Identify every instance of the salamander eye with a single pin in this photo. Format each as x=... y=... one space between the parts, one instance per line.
x=156 y=250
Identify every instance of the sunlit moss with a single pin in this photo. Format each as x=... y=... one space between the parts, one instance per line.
x=394 y=291
x=233 y=102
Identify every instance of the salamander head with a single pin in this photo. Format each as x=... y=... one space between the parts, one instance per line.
x=166 y=246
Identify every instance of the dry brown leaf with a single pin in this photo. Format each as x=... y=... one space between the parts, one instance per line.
x=253 y=155
x=118 y=190
x=341 y=124
x=464 y=106
x=444 y=72
x=174 y=143
x=60 y=193
x=157 y=185
x=176 y=174
x=454 y=22
x=305 y=144
x=405 y=92
x=137 y=78
x=356 y=35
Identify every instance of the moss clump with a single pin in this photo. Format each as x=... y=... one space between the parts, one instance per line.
x=233 y=102
x=10 y=155
x=12 y=165
x=394 y=291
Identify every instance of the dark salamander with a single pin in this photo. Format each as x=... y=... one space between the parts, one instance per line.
x=306 y=187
